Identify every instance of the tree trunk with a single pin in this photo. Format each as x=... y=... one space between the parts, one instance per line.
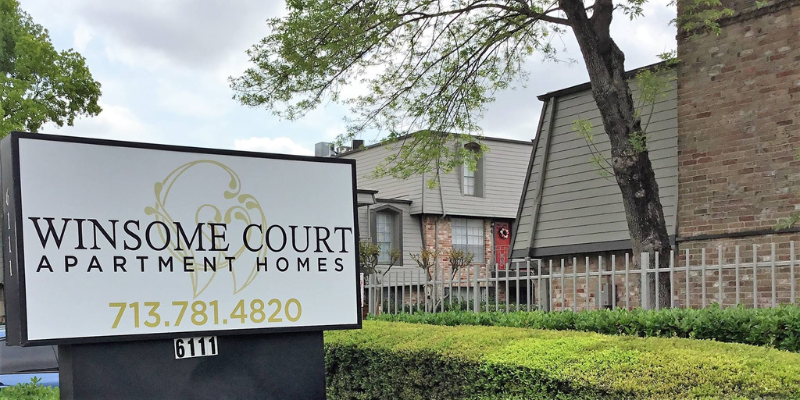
x=632 y=168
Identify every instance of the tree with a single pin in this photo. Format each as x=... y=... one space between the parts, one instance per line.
x=459 y=260
x=426 y=261
x=39 y=84
x=438 y=63
x=368 y=255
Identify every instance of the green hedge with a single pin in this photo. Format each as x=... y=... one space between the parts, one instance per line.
x=29 y=391
x=772 y=327
x=387 y=360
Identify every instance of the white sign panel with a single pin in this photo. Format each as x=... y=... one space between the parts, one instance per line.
x=121 y=239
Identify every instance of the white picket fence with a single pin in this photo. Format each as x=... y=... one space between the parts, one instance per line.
x=750 y=276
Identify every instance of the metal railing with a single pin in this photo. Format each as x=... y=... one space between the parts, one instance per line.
x=748 y=276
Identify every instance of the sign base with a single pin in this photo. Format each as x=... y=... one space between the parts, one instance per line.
x=264 y=366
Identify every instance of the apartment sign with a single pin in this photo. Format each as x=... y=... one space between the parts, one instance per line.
x=109 y=241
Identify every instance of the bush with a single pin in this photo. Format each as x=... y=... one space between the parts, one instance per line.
x=29 y=391
x=388 y=360
x=456 y=304
x=772 y=327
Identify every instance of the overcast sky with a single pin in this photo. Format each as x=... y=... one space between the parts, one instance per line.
x=164 y=64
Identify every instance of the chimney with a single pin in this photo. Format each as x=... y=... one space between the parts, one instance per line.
x=357 y=144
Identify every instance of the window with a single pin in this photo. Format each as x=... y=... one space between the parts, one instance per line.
x=468 y=236
x=472 y=181
x=384 y=232
x=469 y=181
x=387 y=228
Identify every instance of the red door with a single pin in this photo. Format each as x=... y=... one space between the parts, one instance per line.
x=502 y=243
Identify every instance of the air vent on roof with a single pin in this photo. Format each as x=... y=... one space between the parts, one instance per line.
x=323 y=149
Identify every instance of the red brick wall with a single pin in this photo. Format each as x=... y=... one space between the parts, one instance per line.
x=445 y=239
x=738 y=141
x=739 y=124
x=445 y=243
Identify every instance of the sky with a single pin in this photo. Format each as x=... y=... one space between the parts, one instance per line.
x=164 y=68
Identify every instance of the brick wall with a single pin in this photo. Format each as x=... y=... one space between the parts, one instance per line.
x=445 y=240
x=575 y=292
x=739 y=124
x=738 y=141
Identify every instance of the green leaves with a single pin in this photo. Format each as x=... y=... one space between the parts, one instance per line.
x=39 y=84
x=638 y=141
x=29 y=391
x=425 y=67
x=788 y=223
x=633 y=8
x=584 y=127
x=697 y=15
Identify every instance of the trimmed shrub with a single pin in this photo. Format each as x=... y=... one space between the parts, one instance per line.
x=29 y=391
x=388 y=360
x=771 y=327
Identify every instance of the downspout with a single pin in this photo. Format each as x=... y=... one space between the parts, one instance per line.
x=444 y=214
x=422 y=216
x=369 y=225
x=423 y=193
x=436 y=233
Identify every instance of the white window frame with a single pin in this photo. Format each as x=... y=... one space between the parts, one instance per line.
x=385 y=234
x=468 y=234
x=468 y=181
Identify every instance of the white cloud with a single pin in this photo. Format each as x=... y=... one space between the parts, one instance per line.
x=199 y=101
x=135 y=57
x=81 y=37
x=119 y=119
x=270 y=145
x=115 y=122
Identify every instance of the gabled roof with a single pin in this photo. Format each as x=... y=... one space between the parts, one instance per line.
x=566 y=207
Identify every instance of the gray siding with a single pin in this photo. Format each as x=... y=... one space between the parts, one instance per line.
x=504 y=168
x=577 y=205
x=387 y=187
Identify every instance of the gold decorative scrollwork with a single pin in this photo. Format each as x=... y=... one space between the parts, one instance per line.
x=247 y=210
